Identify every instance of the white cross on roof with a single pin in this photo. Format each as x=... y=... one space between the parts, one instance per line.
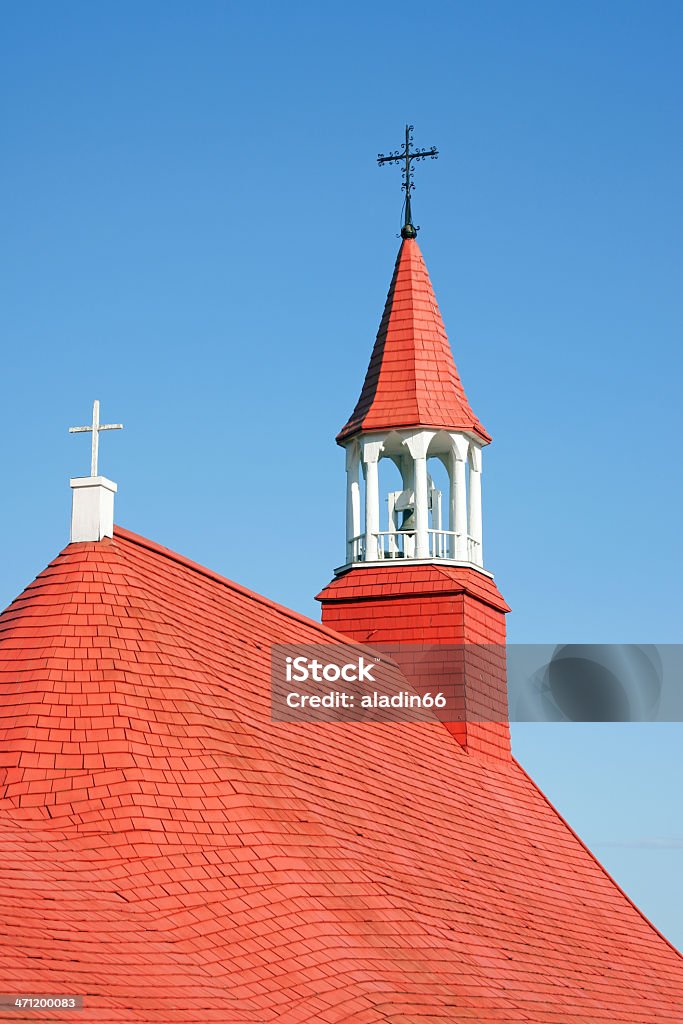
x=95 y=427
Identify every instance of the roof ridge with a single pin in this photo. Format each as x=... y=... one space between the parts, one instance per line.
x=202 y=570
x=595 y=859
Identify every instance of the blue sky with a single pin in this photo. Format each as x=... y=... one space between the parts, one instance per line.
x=197 y=234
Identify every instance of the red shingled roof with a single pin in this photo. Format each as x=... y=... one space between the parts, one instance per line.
x=412 y=379
x=175 y=856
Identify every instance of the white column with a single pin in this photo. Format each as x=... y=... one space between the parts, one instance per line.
x=391 y=514
x=371 y=453
x=408 y=478
x=421 y=508
x=458 y=508
x=417 y=444
x=352 y=499
x=475 y=523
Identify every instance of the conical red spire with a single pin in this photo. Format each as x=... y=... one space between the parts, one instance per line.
x=412 y=379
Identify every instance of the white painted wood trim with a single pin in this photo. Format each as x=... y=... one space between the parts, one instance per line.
x=92 y=508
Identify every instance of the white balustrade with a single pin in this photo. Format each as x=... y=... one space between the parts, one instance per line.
x=441 y=542
x=390 y=544
x=357 y=546
x=396 y=544
x=474 y=550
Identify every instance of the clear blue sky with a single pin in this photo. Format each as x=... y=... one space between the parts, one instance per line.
x=195 y=232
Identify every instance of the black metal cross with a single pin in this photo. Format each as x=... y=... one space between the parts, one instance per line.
x=407 y=156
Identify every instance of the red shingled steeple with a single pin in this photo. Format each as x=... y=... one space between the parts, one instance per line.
x=412 y=379
x=387 y=593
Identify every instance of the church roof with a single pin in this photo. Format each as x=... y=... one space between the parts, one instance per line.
x=412 y=379
x=173 y=854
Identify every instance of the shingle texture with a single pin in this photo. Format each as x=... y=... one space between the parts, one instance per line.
x=175 y=856
x=406 y=605
x=412 y=379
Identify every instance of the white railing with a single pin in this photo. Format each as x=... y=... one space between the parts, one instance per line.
x=401 y=544
x=357 y=548
x=474 y=550
x=442 y=543
x=395 y=544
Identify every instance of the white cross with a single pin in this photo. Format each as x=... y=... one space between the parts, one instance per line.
x=95 y=427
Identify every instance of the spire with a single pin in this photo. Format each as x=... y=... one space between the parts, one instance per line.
x=412 y=379
x=413 y=412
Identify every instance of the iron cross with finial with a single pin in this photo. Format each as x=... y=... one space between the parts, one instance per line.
x=407 y=156
x=95 y=427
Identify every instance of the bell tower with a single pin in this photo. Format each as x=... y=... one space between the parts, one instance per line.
x=422 y=522
x=414 y=567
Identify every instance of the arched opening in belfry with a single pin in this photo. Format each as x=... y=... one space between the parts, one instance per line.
x=397 y=514
x=390 y=483
x=439 y=493
x=440 y=489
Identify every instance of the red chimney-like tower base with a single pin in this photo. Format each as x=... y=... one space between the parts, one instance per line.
x=430 y=604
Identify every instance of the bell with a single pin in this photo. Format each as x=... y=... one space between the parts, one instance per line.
x=408 y=522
